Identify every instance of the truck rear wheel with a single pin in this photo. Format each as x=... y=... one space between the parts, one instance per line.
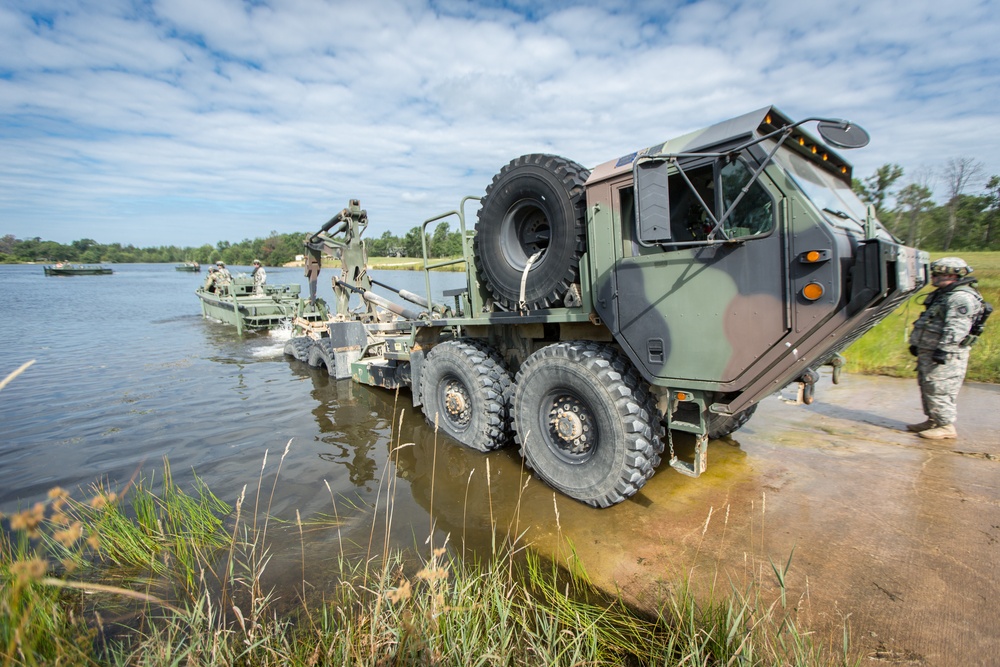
x=321 y=356
x=586 y=423
x=719 y=426
x=465 y=390
x=535 y=205
x=298 y=347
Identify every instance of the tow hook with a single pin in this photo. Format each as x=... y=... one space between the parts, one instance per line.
x=837 y=362
x=807 y=387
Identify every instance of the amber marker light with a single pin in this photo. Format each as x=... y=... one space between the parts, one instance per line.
x=813 y=256
x=812 y=291
x=681 y=396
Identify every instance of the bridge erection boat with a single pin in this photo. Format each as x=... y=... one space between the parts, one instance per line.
x=245 y=306
x=67 y=269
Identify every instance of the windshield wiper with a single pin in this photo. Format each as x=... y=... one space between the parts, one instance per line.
x=839 y=214
x=845 y=216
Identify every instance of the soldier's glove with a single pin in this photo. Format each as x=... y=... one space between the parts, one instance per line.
x=939 y=356
x=913 y=350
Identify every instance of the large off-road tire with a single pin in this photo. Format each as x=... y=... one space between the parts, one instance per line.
x=719 y=426
x=298 y=347
x=586 y=422
x=465 y=389
x=321 y=356
x=535 y=204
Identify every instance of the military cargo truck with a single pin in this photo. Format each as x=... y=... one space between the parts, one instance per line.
x=667 y=290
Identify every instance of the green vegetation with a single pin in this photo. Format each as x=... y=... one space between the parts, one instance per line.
x=965 y=222
x=274 y=250
x=62 y=603
x=884 y=349
x=408 y=264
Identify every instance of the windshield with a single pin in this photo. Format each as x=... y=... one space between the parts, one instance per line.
x=831 y=195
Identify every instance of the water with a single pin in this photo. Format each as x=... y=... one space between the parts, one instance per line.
x=127 y=374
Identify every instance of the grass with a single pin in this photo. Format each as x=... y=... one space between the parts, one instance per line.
x=391 y=608
x=884 y=349
x=410 y=264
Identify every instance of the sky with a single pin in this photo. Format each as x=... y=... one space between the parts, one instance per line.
x=186 y=122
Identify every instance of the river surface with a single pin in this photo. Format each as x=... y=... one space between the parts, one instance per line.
x=128 y=374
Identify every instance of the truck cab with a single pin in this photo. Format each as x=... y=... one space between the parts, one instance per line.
x=744 y=261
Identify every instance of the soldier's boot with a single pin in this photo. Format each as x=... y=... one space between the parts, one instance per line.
x=922 y=426
x=945 y=432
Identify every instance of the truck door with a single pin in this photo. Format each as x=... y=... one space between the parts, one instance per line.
x=697 y=299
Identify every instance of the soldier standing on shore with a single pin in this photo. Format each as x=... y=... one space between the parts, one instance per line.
x=940 y=341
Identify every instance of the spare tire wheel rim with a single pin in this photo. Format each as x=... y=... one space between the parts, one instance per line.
x=525 y=230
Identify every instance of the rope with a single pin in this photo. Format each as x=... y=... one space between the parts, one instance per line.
x=522 y=306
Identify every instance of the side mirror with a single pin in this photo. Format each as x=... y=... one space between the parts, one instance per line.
x=842 y=134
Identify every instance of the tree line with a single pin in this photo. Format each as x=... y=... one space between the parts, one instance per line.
x=969 y=219
x=274 y=250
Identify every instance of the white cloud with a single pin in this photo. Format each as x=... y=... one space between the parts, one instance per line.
x=193 y=121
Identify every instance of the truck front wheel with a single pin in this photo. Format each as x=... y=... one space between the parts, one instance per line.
x=466 y=393
x=586 y=423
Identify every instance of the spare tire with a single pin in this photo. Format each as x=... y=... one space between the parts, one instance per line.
x=536 y=204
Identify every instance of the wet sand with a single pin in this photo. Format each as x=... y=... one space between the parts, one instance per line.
x=898 y=535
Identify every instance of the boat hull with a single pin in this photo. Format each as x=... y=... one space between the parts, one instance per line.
x=70 y=270
x=247 y=311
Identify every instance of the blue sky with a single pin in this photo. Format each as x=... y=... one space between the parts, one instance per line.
x=193 y=121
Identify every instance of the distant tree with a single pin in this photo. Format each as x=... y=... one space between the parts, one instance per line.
x=913 y=201
x=412 y=244
x=958 y=173
x=445 y=243
x=990 y=237
x=381 y=246
x=876 y=188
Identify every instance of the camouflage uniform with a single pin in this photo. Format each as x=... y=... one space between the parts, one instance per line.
x=222 y=275
x=209 y=285
x=936 y=340
x=259 y=279
x=313 y=263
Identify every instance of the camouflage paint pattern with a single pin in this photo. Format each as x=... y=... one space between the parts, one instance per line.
x=730 y=318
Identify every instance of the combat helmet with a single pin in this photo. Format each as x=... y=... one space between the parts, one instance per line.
x=950 y=266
